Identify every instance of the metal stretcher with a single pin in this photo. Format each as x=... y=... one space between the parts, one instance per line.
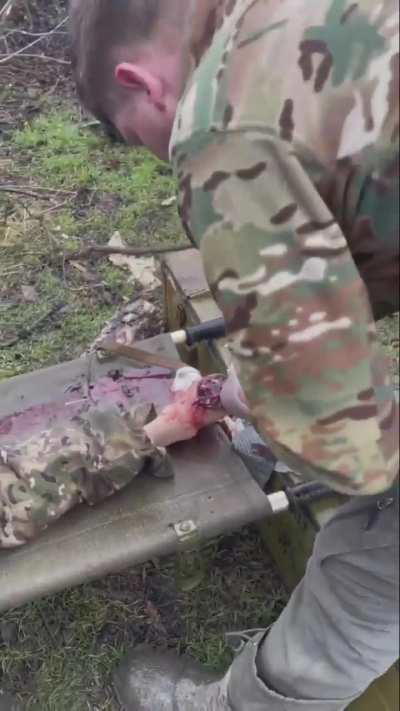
x=208 y=495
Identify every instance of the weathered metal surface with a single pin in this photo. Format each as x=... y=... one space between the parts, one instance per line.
x=290 y=537
x=188 y=272
x=137 y=524
x=188 y=302
x=215 y=492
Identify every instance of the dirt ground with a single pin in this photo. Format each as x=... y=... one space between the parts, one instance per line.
x=63 y=185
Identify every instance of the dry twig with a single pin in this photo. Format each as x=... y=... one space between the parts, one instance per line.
x=99 y=251
x=44 y=57
x=31 y=34
x=45 y=195
x=36 y=56
x=36 y=41
x=5 y=11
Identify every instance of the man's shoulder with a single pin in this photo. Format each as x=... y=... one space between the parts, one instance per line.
x=296 y=68
x=206 y=101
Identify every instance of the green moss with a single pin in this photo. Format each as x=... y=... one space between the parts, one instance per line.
x=63 y=155
x=68 y=644
x=102 y=187
x=62 y=337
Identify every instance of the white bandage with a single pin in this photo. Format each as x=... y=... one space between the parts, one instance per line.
x=185 y=378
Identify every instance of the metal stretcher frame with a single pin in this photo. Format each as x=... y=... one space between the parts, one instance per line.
x=211 y=493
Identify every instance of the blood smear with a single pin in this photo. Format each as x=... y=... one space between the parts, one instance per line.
x=209 y=392
x=127 y=388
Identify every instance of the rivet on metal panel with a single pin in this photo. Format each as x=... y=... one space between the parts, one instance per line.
x=190 y=563
x=185 y=530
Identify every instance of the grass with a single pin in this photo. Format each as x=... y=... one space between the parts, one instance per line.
x=104 y=188
x=388 y=332
x=61 y=651
x=122 y=190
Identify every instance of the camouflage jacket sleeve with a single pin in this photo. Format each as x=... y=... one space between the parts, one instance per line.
x=87 y=458
x=303 y=336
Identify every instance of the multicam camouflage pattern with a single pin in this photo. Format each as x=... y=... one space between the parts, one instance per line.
x=285 y=146
x=83 y=457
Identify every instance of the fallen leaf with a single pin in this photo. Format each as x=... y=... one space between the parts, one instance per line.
x=129 y=324
x=30 y=294
x=125 y=335
x=169 y=201
x=142 y=269
x=129 y=318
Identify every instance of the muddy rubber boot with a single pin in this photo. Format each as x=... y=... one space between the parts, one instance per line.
x=150 y=680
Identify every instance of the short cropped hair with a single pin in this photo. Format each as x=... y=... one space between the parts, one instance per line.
x=98 y=27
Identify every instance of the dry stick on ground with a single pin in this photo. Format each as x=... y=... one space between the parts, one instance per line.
x=22 y=50
x=52 y=209
x=99 y=251
x=26 y=193
x=29 y=193
x=45 y=189
x=5 y=11
x=36 y=56
x=31 y=34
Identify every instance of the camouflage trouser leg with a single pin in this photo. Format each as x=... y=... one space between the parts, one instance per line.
x=339 y=631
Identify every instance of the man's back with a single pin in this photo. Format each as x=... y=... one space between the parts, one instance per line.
x=284 y=69
x=285 y=146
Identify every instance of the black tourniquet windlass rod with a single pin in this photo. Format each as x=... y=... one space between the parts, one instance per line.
x=208 y=331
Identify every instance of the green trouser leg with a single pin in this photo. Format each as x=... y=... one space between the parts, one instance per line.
x=339 y=631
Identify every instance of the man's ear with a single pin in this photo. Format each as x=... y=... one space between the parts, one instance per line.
x=138 y=78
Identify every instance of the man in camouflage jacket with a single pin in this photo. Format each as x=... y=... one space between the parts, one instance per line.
x=280 y=118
